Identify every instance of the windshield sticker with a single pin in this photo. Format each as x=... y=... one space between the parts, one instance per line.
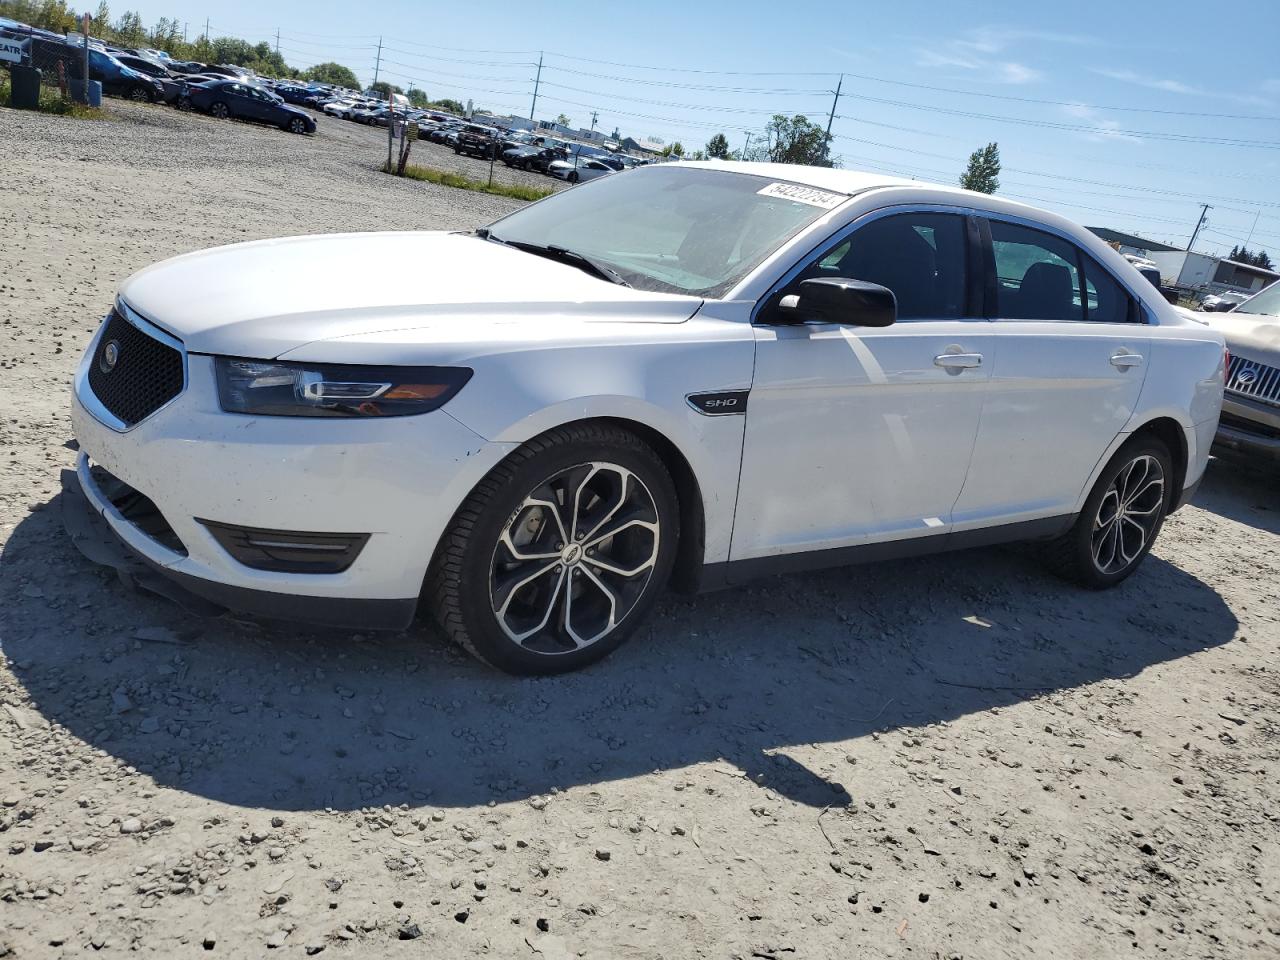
x=813 y=196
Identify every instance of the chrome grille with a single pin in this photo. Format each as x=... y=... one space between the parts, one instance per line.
x=1257 y=381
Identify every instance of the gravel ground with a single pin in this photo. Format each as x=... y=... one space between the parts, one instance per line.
x=953 y=757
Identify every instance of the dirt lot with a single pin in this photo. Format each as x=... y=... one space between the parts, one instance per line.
x=956 y=757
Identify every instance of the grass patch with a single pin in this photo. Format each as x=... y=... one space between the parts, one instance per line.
x=447 y=179
x=52 y=101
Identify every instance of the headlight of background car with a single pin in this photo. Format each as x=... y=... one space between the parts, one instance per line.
x=275 y=389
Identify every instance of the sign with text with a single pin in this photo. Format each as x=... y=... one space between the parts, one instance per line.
x=10 y=50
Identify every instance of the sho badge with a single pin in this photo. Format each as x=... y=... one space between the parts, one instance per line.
x=110 y=356
x=719 y=404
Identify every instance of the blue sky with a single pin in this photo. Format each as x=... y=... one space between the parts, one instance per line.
x=1125 y=115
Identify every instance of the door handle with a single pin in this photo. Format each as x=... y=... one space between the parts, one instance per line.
x=1123 y=361
x=957 y=361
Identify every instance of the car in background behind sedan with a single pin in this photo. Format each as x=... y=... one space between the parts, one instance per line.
x=1250 y=424
x=1221 y=302
x=576 y=170
x=225 y=99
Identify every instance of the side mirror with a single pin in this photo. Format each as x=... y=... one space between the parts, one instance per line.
x=838 y=300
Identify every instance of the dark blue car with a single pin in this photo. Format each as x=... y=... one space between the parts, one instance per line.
x=230 y=98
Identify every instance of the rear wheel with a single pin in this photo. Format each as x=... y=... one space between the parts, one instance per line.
x=559 y=553
x=219 y=110
x=1121 y=518
x=140 y=93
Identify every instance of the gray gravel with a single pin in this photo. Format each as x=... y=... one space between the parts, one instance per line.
x=953 y=757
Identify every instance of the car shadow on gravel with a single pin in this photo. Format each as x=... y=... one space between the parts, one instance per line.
x=293 y=719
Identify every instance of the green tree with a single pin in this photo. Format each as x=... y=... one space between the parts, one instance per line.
x=674 y=150
x=797 y=140
x=334 y=73
x=102 y=21
x=418 y=97
x=563 y=120
x=383 y=89
x=1263 y=261
x=983 y=172
x=128 y=29
x=449 y=105
x=718 y=147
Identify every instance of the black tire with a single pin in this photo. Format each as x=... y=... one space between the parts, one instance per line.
x=141 y=94
x=472 y=556
x=296 y=125
x=573 y=176
x=219 y=110
x=1075 y=555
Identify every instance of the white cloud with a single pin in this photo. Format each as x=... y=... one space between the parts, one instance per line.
x=983 y=52
x=1168 y=85
x=1102 y=128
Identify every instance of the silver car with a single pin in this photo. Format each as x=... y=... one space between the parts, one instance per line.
x=582 y=169
x=1250 y=421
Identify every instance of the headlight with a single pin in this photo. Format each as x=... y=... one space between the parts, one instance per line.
x=276 y=389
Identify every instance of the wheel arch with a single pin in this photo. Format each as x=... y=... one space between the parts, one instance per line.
x=1169 y=432
x=690 y=549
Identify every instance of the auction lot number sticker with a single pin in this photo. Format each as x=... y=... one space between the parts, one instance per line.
x=802 y=194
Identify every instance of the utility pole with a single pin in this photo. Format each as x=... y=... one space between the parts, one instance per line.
x=746 y=145
x=1251 y=229
x=1204 y=209
x=594 y=114
x=185 y=24
x=377 y=63
x=277 y=41
x=206 y=30
x=832 y=115
x=537 y=80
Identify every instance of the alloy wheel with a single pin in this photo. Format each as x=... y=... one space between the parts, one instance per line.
x=219 y=110
x=1128 y=515
x=296 y=126
x=574 y=558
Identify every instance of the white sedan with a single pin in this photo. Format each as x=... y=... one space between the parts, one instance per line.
x=579 y=170
x=692 y=373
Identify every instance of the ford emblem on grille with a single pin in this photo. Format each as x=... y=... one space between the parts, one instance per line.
x=110 y=356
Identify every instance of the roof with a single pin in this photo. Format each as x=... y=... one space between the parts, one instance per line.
x=831 y=178
x=1132 y=240
x=1252 y=268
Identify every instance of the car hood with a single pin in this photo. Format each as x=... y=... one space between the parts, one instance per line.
x=1254 y=335
x=268 y=297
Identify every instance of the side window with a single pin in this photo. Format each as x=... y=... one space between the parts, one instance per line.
x=1108 y=302
x=919 y=256
x=1037 y=275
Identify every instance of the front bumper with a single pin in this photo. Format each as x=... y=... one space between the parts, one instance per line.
x=1249 y=427
x=398 y=480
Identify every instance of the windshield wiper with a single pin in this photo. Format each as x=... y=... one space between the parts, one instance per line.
x=553 y=252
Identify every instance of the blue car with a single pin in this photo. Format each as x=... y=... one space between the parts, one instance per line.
x=231 y=98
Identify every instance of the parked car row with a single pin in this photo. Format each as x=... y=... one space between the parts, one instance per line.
x=220 y=90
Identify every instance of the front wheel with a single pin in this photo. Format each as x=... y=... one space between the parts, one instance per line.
x=1121 y=518
x=573 y=176
x=219 y=110
x=297 y=125
x=559 y=552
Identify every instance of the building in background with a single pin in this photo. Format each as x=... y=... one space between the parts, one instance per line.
x=1193 y=274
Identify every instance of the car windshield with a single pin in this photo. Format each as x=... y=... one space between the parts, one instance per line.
x=675 y=229
x=1267 y=302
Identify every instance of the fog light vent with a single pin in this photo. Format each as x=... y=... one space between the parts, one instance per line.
x=288 y=551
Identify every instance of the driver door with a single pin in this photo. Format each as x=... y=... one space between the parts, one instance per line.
x=856 y=435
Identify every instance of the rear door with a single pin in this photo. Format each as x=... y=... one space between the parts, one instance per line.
x=1071 y=358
